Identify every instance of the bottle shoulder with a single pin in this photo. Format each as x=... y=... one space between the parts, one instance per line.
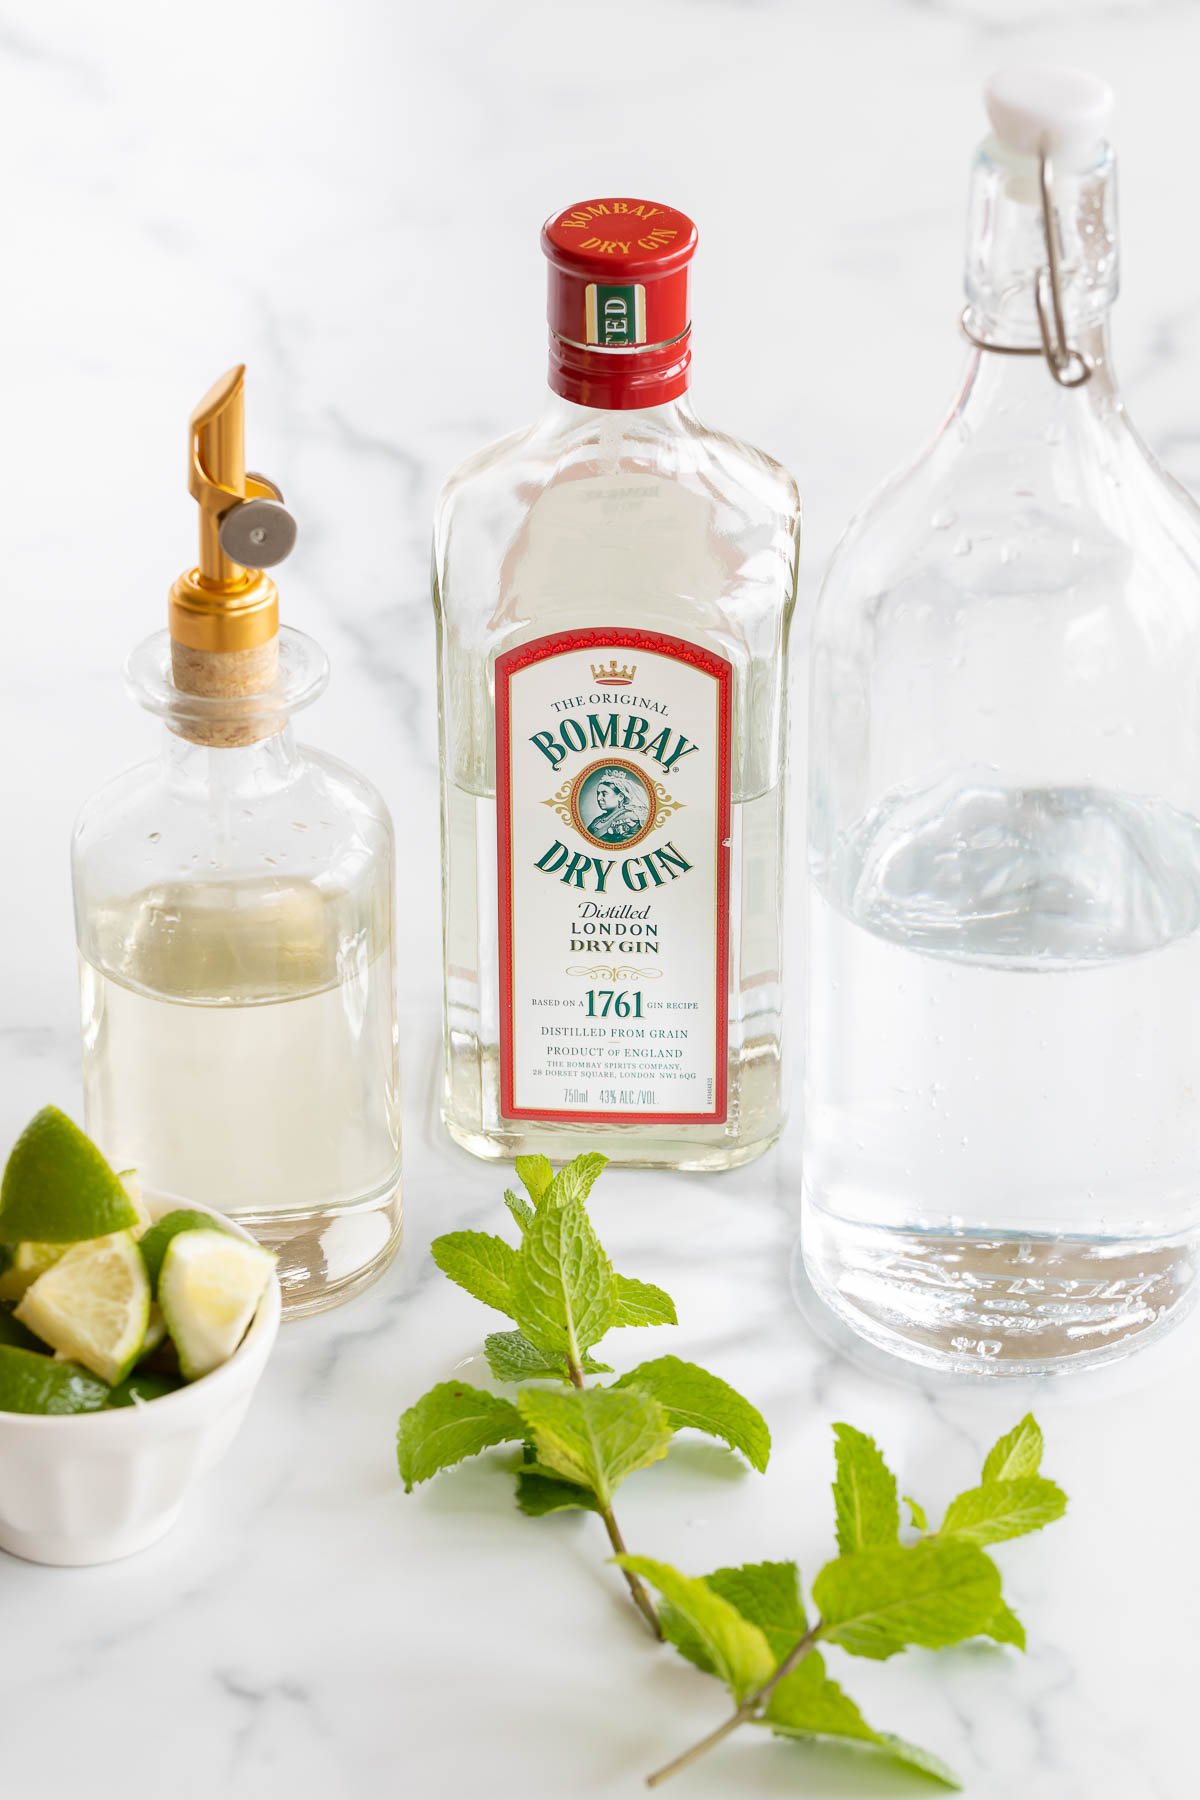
x=618 y=518
x=339 y=783
x=320 y=820
x=508 y=477
x=486 y=471
x=1004 y=511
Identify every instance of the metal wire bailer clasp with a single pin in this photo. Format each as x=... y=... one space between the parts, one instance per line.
x=1068 y=365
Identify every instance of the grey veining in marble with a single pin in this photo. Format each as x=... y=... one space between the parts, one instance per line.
x=346 y=194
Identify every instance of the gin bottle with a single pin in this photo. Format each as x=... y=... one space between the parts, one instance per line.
x=613 y=587
x=1002 y=1140
x=233 y=904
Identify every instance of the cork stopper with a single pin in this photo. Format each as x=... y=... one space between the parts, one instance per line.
x=224 y=613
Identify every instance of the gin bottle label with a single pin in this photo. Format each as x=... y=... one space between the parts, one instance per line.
x=613 y=816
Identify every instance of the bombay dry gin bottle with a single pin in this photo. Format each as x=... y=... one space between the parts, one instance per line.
x=1002 y=1142
x=613 y=587
x=233 y=904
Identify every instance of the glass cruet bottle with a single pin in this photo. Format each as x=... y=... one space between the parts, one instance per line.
x=1002 y=1141
x=613 y=587
x=233 y=904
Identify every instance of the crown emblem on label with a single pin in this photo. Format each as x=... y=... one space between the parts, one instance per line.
x=615 y=674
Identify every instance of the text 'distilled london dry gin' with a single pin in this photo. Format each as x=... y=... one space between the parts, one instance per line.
x=613 y=587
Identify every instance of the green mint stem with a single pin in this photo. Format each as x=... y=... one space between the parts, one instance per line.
x=748 y=1710
x=641 y=1598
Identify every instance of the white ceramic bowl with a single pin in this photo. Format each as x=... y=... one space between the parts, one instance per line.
x=92 y=1487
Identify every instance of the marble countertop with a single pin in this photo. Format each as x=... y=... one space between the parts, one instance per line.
x=346 y=194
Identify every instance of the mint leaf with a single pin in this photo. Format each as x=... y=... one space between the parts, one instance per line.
x=640 y=1303
x=911 y=1756
x=539 y=1493
x=698 y=1401
x=511 y=1357
x=450 y=1422
x=916 y=1513
x=876 y=1602
x=737 y=1651
x=563 y=1287
x=535 y=1175
x=1017 y=1454
x=807 y=1704
x=864 y=1493
x=768 y=1594
x=520 y=1209
x=485 y=1265
x=575 y=1180
x=677 y=1631
x=1006 y=1628
x=595 y=1436
x=1003 y=1509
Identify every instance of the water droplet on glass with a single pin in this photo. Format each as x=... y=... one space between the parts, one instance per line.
x=963 y=547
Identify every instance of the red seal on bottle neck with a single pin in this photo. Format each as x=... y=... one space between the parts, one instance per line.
x=619 y=310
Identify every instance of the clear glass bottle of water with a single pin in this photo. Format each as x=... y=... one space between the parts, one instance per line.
x=1002 y=1138
x=234 y=916
x=613 y=587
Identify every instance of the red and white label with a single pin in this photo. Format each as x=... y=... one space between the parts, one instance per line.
x=613 y=820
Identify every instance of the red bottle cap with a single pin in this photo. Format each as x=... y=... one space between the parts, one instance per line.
x=620 y=317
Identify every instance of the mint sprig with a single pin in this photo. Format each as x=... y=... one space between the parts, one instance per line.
x=579 y=1441
x=879 y=1596
x=891 y=1586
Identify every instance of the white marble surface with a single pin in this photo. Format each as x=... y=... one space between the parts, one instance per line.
x=346 y=194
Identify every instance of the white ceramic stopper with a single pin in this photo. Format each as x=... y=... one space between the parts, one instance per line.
x=1065 y=111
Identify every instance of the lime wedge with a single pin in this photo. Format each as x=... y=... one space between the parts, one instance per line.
x=93 y=1305
x=131 y=1181
x=209 y=1289
x=153 y=1244
x=156 y=1332
x=57 y=1188
x=30 y=1383
x=26 y=1263
x=138 y=1388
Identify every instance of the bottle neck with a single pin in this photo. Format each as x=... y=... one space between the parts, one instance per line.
x=620 y=380
x=240 y=772
x=667 y=419
x=1019 y=395
x=1007 y=253
x=222 y=722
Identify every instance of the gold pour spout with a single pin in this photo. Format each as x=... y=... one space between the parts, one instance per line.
x=226 y=603
x=217 y=470
x=224 y=613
